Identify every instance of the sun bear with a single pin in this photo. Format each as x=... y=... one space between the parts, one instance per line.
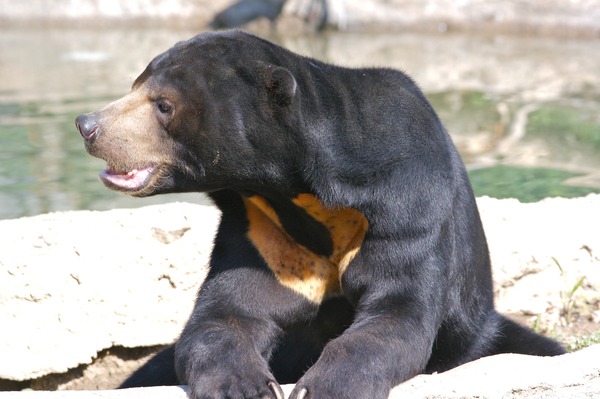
x=350 y=255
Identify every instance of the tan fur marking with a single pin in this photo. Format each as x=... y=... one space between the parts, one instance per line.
x=346 y=226
x=296 y=267
x=132 y=137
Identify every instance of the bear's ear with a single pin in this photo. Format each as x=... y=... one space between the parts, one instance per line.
x=281 y=85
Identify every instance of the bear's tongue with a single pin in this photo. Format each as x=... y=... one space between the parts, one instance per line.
x=131 y=180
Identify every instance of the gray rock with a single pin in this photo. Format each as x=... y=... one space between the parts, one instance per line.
x=75 y=283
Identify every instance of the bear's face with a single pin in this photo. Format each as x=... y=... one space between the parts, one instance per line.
x=131 y=135
x=196 y=119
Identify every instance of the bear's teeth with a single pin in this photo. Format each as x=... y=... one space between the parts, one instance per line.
x=132 y=180
x=121 y=172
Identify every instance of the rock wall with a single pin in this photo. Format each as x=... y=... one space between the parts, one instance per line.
x=556 y=17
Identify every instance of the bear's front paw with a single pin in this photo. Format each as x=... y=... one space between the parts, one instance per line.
x=336 y=384
x=234 y=384
x=337 y=391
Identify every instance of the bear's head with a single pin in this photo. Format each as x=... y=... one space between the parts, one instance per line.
x=216 y=111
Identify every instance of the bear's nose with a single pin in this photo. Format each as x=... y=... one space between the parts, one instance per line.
x=87 y=126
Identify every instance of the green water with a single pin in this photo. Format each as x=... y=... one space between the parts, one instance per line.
x=568 y=125
x=563 y=135
x=526 y=184
x=47 y=78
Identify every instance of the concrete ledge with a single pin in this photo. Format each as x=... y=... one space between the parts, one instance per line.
x=133 y=393
x=574 y=375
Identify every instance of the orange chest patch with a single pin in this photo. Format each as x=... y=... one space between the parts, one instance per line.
x=316 y=276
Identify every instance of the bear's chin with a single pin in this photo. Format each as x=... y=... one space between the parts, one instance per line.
x=131 y=182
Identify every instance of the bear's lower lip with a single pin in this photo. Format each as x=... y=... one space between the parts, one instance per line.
x=132 y=180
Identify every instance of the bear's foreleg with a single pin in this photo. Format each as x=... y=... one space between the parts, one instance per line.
x=397 y=316
x=224 y=350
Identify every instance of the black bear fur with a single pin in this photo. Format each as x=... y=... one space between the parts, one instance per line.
x=350 y=255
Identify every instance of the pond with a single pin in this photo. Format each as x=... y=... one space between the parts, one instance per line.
x=524 y=112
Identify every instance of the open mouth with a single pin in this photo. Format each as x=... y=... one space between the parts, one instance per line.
x=132 y=180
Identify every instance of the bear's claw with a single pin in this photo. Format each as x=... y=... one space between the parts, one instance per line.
x=276 y=389
x=302 y=394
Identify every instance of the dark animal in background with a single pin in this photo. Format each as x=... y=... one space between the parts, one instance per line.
x=246 y=11
x=350 y=255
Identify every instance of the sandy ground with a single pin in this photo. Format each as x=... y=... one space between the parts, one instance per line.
x=108 y=288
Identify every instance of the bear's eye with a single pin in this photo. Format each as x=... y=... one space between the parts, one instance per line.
x=164 y=106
